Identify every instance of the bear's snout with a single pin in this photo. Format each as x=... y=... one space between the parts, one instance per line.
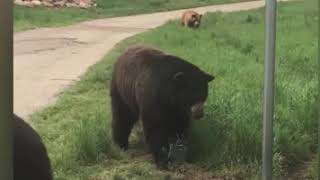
x=197 y=110
x=196 y=23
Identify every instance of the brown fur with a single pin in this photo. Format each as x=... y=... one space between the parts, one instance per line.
x=191 y=19
x=163 y=91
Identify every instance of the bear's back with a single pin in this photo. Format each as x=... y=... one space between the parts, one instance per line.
x=30 y=156
x=138 y=59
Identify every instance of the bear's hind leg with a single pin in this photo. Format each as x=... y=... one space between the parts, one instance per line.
x=122 y=121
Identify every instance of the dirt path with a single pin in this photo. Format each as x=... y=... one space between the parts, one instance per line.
x=299 y=172
x=47 y=60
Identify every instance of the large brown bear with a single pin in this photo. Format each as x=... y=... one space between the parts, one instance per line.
x=163 y=91
x=31 y=161
x=191 y=19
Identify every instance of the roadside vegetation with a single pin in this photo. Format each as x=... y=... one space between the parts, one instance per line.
x=227 y=141
x=313 y=170
x=30 y=18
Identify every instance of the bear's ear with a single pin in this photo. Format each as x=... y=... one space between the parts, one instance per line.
x=209 y=77
x=179 y=76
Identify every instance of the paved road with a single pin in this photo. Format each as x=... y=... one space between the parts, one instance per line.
x=47 y=60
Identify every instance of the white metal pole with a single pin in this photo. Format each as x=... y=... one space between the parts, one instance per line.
x=318 y=100
x=318 y=154
x=270 y=36
x=6 y=89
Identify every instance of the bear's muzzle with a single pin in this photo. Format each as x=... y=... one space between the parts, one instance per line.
x=197 y=110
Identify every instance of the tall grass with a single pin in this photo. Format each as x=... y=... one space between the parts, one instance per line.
x=229 y=46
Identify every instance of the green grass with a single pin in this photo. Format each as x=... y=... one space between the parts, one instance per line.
x=29 y=18
x=228 y=139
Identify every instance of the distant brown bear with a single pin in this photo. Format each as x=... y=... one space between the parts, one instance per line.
x=163 y=91
x=31 y=161
x=191 y=19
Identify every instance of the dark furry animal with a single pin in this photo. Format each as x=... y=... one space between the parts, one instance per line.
x=31 y=161
x=163 y=91
x=191 y=19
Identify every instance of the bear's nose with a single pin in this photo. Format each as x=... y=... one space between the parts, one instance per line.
x=197 y=111
x=197 y=115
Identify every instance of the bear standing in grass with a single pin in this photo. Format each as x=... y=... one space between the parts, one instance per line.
x=163 y=91
x=31 y=161
x=191 y=19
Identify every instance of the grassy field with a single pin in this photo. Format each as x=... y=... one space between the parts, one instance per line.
x=27 y=18
x=227 y=141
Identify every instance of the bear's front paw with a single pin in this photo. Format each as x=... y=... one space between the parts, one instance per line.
x=123 y=147
x=162 y=159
